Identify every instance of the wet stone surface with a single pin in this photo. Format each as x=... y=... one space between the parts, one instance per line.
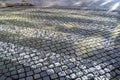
x=59 y=44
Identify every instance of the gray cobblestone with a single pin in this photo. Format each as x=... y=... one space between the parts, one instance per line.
x=57 y=64
x=36 y=76
x=46 y=78
x=29 y=78
x=51 y=66
x=84 y=78
x=43 y=74
x=58 y=69
x=15 y=76
x=29 y=73
x=79 y=74
x=38 y=43
x=64 y=67
x=68 y=71
x=54 y=76
x=62 y=73
x=9 y=79
x=37 y=70
x=22 y=79
x=117 y=71
x=50 y=71
x=73 y=76
x=3 y=77
x=44 y=68
x=22 y=75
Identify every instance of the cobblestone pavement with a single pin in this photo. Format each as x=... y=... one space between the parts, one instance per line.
x=59 y=44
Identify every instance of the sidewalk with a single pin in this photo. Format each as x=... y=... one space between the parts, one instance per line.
x=59 y=44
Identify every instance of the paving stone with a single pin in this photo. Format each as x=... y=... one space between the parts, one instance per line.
x=71 y=65
x=27 y=69
x=90 y=76
x=43 y=74
x=9 y=79
x=36 y=76
x=67 y=77
x=117 y=71
x=96 y=73
x=118 y=77
x=37 y=70
x=15 y=76
x=29 y=78
x=13 y=72
x=62 y=78
x=92 y=69
x=68 y=71
x=102 y=72
x=46 y=78
x=98 y=67
x=50 y=71
x=107 y=70
x=73 y=76
x=54 y=76
x=76 y=69
x=84 y=78
x=64 y=67
x=110 y=67
x=62 y=73
x=29 y=73
x=78 y=79
x=22 y=79
x=79 y=73
x=57 y=64
x=7 y=74
x=44 y=68
x=58 y=69
x=112 y=73
x=1 y=63
x=51 y=66
x=115 y=65
x=22 y=75
x=108 y=75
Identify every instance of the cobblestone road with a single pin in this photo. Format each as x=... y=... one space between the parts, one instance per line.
x=59 y=44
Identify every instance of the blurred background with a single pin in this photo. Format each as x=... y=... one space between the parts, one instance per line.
x=101 y=4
